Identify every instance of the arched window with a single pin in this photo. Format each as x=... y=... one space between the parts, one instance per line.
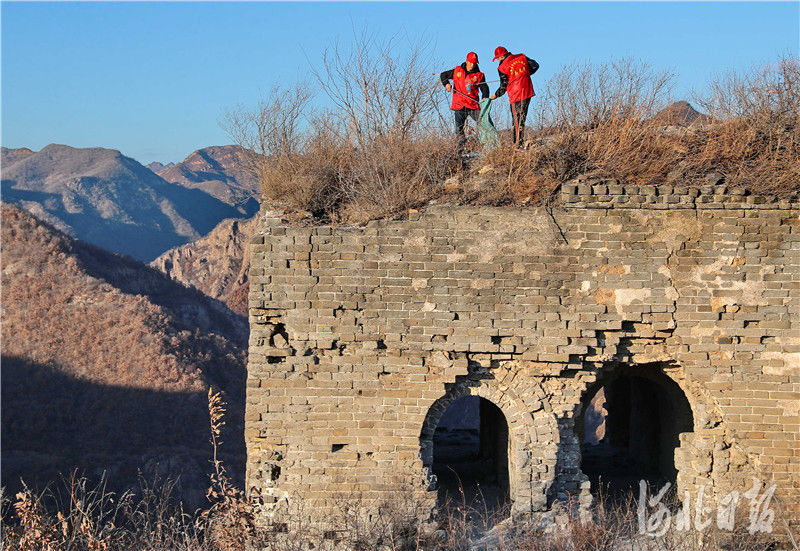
x=470 y=455
x=630 y=425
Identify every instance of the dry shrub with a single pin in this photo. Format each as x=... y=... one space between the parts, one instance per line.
x=464 y=523
x=380 y=149
x=609 y=120
x=598 y=117
x=385 y=147
x=386 y=117
x=90 y=517
x=284 y=157
x=615 y=525
x=518 y=176
x=230 y=521
x=589 y=95
x=755 y=140
x=393 y=523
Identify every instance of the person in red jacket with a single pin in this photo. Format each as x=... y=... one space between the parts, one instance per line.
x=515 y=77
x=467 y=82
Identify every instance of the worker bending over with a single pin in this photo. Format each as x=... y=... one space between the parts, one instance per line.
x=467 y=81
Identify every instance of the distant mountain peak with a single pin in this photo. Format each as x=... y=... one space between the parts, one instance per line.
x=221 y=171
x=681 y=113
x=106 y=198
x=157 y=167
x=10 y=156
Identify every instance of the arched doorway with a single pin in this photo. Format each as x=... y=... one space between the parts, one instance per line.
x=629 y=428
x=471 y=455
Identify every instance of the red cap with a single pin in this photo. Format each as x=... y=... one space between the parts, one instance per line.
x=472 y=57
x=499 y=52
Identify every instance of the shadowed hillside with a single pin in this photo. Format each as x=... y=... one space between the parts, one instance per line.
x=104 y=198
x=106 y=364
x=218 y=264
x=220 y=171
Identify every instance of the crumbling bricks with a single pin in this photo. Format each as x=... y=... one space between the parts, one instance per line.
x=361 y=338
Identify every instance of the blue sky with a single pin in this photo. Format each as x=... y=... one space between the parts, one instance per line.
x=153 y=79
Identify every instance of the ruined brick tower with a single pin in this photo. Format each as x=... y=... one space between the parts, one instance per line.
x=680 y=303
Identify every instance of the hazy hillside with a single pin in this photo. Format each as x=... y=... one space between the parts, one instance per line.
x=106 y=363
x=10 y=156
x=220 y=171
x=104 y=198
x=156 y=167
x=217 y=264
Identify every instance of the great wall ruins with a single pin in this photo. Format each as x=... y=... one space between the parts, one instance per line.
x=681 y=303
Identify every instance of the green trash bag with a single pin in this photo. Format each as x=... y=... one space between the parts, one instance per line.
x=487 y=133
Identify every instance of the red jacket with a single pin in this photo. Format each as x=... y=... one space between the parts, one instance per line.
x=466 y=83
x=516 y=68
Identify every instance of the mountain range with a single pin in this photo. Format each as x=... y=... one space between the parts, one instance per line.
x=155 y=166
x=107 y=199
x=107 y=362
x=221 y=171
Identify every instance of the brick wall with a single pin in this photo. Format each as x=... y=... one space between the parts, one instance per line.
x=361 y=338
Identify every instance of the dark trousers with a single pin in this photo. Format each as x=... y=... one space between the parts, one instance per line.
x=519 y=112
x=461 y=119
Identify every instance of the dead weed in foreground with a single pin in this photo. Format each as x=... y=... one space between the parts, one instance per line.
x=91 y=518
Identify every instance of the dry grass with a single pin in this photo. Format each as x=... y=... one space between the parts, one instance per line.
x=92 y=518
x=756 y=141
x=85 y=517
x=604 y=120
x=378 y=154
x=616 y=526
x=383 y=147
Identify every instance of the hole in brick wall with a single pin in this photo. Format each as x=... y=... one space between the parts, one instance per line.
x=470 y=454
x=337 y=447
x=280 y=331
x=629 y=428
x=274 y=473
x=381 y=345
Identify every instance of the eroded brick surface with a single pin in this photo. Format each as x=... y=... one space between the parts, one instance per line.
x=361 y=338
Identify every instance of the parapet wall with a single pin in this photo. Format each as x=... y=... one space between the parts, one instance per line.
x=361 y=337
